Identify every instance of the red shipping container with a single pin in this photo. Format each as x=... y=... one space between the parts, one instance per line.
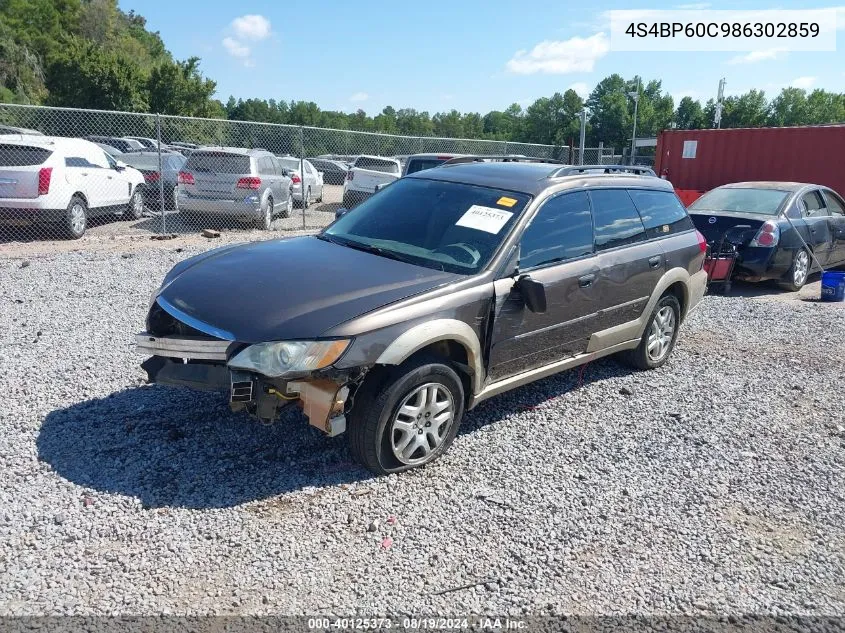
x=699 y=160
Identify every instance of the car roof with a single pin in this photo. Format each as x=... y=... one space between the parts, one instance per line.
x=532 y=177
x=769 y=184
x=437 y=155
x=243 y=151
x=52 y=142
x=384 y=158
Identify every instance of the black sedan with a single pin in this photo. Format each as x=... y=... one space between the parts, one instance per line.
x=783 y=231
x=334 y=171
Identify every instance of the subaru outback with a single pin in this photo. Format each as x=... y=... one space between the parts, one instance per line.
x=450 y=286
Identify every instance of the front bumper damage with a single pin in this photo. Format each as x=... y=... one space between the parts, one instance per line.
x=201 y=363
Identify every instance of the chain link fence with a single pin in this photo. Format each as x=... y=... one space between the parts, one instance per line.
x=66 y=172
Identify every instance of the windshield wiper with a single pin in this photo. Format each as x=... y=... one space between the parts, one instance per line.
x=369 y=248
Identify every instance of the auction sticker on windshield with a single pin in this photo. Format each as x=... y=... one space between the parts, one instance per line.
x=484 y=219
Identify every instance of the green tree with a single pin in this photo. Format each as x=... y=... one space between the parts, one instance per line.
x=690 y=115
x=180 y=88
x=788 y=108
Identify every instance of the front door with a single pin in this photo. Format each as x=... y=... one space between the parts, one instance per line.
x=817 y=220
x=556 y=249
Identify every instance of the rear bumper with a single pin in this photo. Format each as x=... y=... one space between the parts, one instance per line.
x=761 y=264
x=249 y=207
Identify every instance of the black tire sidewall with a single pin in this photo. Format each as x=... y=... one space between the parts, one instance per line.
x=130 y=211
x=641 y=358
x=70 y=232
x=396 y=387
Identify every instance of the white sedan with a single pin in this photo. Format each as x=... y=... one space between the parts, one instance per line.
x=313 y=180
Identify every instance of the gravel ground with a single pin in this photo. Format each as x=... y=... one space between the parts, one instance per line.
x=714 y=485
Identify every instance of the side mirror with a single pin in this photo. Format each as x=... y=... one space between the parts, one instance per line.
x=533 y=293
x=119 y=165
x=340 y=213
x=285 y=173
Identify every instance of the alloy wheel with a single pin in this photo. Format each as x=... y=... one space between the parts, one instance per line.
x=801 y=268
x=77 y=218
x=421 y=423
x=661 y=334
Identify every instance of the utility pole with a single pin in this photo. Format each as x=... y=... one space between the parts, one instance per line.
x=583 y=136
x=635 y=95
x=719 y=98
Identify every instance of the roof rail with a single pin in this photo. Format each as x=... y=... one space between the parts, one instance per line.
x=571 y=170
x=500 y=159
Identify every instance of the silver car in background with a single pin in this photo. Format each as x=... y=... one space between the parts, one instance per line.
x=313 y=180
x=246 y=184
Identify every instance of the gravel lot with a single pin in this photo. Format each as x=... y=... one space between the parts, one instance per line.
x=715 y=485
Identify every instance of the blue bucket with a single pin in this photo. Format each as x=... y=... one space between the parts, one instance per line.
x=833 y=286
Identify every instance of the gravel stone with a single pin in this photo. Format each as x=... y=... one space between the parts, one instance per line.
x=562 y=497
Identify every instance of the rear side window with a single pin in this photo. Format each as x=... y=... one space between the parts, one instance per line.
x=22 y=155
x=375 y=164
x=661 y=212
x=266 y=167
x=561 y=230
x=218 y=163
x=420 y=164
x=615 y=218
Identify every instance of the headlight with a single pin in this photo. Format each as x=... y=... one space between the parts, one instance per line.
x=276 y=359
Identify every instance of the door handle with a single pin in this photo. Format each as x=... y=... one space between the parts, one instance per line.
x=654 y=262
x=586 y=281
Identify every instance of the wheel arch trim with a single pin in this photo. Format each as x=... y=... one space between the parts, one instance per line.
x=424 y=334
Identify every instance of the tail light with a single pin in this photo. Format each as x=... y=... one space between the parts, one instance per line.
x=702 y=241
x=152 y=176
x=768 y=236
x=186 y=178
x=249 y=182
x=350 y=175
x=295 y=179
x=44 y=176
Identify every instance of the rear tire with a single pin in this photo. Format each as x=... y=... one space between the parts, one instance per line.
x=406 y=416
x=798 y=273
x=135 y=208
x=288 y=206
x=306 y=200
x=659 y=337
x=265 y=221
x=76 y=218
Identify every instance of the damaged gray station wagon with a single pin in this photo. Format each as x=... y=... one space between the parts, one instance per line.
x=448 y=287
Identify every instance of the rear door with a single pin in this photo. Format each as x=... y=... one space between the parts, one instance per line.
x=817 y=220
x=267 y=173
x=556 y=249
x=630 y=262
x=19 y=169
x=216 y=174
x=836 y=208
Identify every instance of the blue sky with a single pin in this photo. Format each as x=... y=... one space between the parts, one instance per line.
x=464 y=54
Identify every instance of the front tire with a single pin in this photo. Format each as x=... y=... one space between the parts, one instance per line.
x=76 y=218
x=798 y=273
x=659 y=337
x=405 y=417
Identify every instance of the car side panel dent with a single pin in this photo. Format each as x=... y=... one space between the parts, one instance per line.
x=631 y=331
x=424 y=334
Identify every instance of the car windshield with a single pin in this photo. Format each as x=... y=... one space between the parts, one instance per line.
x=443 y=225
x=745 y=200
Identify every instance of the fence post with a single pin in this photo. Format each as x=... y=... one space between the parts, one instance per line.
x=302 y=171
x=601 y=152
x=506 y=148
x=160 y=179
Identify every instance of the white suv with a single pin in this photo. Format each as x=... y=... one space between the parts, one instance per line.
x=53 y=179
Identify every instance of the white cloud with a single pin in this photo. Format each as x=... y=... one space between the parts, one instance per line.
x=359 y=96
x=582 y=89
x=757 y=56
x=804 y=82
x=577 y=54
x=840 y=18
x=235 y=48
x=251 y=27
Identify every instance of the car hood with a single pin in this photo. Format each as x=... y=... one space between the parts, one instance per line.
x=287 y=289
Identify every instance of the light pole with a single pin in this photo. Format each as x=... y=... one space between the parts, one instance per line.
x=635 y=95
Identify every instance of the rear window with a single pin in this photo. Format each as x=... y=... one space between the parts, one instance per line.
x=762 y=201
x=218 y=163
x=22 y=155
x=661 y=212
x=419 y=164
x=375 y=164
x=141 y=162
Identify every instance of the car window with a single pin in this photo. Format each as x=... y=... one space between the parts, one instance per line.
x=277 y=166
x=421 y=164
x=661 y=212
x=78 y=161
x=442 y=225
x=615 y=219
x=376 y=164
x=562 y=229
x=176 y=162
x=142 y=161
x=111 y=161
x=290 y=163
x=814 y=204
x=834 y=204
x=265 y=166
x=218 y=162
x=22 y=156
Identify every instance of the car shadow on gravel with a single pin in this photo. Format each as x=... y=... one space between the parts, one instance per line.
x=181 y=448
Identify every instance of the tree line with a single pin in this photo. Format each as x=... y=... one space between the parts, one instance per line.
x=91 y=54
